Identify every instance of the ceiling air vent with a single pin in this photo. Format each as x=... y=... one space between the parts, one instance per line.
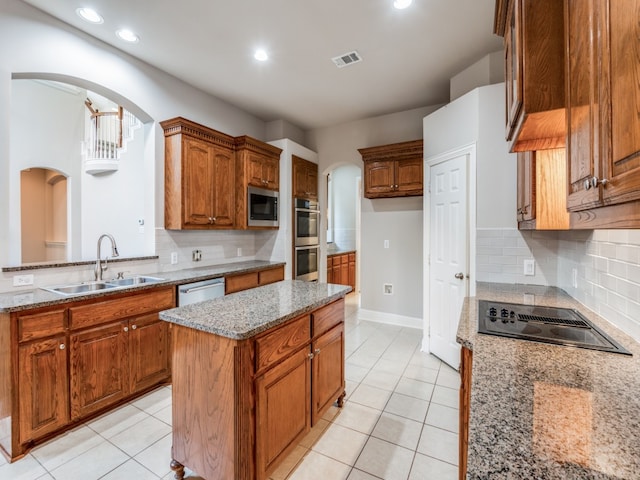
x=347 y=59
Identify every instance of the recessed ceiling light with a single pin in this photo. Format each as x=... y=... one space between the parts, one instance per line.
x=400 y=4
x=261 y=55
x=90 y=15
x=127 y=35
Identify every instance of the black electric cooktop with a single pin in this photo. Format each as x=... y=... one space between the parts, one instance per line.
x=559 y=326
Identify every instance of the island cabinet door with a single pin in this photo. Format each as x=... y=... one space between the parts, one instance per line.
x=282 y=410
x=328 y=371
x=99 y=368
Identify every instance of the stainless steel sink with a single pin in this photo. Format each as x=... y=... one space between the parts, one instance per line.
x=137 y=280
x=95 y=287
x=81 y=288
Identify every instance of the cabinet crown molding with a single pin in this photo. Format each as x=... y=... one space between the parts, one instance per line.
x=394 y=151
x=249 y=143
x=180 y=125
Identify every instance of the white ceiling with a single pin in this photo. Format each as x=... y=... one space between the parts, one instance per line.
x=408 y=55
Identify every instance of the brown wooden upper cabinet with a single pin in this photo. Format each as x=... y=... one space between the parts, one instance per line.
x=199 y=186
x=603 y=99
x=305 y=179
x=542 y=190
x=207 y=174
x=393 y=170
x=533 y=32
x=258 y=163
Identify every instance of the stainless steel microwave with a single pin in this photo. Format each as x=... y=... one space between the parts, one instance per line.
x=262 y=207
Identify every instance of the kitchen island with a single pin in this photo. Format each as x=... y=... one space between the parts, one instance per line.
x=537 y=410
x=252 y=372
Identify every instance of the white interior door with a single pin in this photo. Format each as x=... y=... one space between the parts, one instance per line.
x=448 y=253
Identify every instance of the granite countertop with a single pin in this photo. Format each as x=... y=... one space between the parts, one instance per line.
x=245 y=314
x=27 y=299
x=338 y=251
x=545 y=411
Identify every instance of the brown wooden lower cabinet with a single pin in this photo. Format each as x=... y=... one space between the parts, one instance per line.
x=76 y=360
x=43 y=392
x=466 y=358
x=244 y=281
x=252 y=400
x=341 y=269
x=98 y=369
x=282 y=409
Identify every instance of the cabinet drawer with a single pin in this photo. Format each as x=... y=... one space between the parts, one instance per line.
x=276 y=345
x=237 y=283
x=271 y=276
x=328 y=316
x=40 y=325
x=121 y=308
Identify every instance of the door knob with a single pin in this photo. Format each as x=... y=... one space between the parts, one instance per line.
x=459 y=275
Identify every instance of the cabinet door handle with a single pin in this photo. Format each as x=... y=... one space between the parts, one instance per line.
x=212 y=219
x=587 y=184
x=595 y=181
x=62 y=346
x=310 y=355
x=126 y=329
x=316 y=351
x=134 y=326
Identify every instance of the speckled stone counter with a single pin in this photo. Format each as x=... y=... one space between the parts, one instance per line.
x=543 y=411
x=26 y=299
x=245 y=314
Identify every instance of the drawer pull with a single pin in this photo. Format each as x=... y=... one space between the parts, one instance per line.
x=62 y=347
x=134 y=326
x=126 y=329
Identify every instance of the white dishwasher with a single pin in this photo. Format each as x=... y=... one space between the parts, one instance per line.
x=200 y=291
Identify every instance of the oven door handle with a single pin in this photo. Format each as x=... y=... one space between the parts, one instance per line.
x=309 y=247
x=306 y=210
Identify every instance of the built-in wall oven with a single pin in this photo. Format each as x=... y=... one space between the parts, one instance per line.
x=306 y=226
x=306 y=263
x=306 y=222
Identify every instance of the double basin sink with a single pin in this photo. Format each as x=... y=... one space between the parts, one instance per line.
x=100 y=286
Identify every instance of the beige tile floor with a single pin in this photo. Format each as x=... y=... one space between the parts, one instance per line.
x=400 y=422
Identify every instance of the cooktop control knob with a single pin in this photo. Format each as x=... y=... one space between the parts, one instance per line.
x=493 y=311
x=504 y=313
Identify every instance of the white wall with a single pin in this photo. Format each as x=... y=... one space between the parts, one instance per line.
x=486 y=71
x=399 y=220
x=344 y=180
x=33 y=44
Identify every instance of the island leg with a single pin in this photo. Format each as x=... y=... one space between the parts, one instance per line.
x=178 y=468
x=341 y=399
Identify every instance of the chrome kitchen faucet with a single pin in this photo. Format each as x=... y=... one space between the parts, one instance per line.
x=114 y=253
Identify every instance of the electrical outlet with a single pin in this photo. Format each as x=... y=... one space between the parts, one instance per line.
x=196 y=255
x=174 y=258
x=387 y=289
x=22 y=280
x=529 y=267
x=239 y=251
x=386 y=244
x=574 y=277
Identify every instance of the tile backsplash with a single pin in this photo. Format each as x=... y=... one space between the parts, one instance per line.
x=599 y=268
x=216 y=247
